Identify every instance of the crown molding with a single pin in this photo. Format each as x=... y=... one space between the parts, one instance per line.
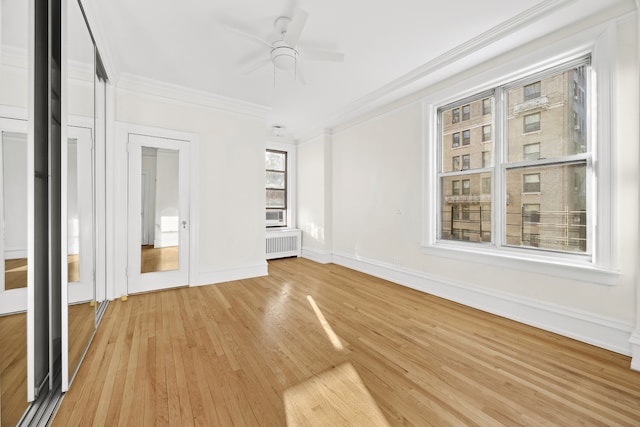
x=181 y=94
x=109 y=60
x=14 y=56
x=404 y=89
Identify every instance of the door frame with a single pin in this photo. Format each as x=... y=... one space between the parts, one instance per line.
x=120 y=200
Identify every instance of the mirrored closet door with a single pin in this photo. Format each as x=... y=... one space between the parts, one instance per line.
x=14 y=197
x=83 y=190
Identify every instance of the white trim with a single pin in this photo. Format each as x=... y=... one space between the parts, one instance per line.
x=31 y=301
x=607 y=333
x=14 y=113
x=634 y=342
x=181 y=95
x=229 y=274
x=101 y=42
x=601 y=268
x=318 y=255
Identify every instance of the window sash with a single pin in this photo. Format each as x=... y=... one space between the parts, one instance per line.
x=501 y=165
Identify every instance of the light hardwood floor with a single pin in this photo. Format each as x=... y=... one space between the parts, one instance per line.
x=13 y=368
x=324 y=345
x=15 y=273
x=158 y=259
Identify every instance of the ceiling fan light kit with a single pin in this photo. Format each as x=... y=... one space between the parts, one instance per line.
x=283 y=56
x=284 y=53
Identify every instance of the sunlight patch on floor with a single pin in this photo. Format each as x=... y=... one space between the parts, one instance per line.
x=337 y=344
x=336 y=397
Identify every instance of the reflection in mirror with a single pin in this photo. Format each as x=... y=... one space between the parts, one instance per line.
x=80 y=173
x=80 y=238
x=14 y=189
x=13 y=367
x=160 y=212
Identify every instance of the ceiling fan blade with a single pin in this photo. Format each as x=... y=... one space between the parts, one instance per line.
x=295 y=27
x=255 y=65
x=248 y=36
x=321 y=55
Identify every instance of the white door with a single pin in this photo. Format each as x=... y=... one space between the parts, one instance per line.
x=162 y=262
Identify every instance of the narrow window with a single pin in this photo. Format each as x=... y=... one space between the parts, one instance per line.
x=486 y=133
x=532 y=91
x=466 y=137
x=466 y=112
x=276 y=188
x=531 y=183
x=466 y=160
x=532 y=122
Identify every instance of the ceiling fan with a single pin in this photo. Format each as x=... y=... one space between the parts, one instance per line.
x=284 y=52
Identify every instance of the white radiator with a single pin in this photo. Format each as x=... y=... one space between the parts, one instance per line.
x=284 y=243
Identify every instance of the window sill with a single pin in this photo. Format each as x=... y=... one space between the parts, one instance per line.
x=568 y=268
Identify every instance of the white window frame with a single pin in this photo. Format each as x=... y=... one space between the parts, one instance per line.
x=291 y=150
x=601 y=266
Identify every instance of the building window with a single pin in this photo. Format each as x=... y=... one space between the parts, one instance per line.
x=531 y=183
x=466 y=137
x=486 y=159
x=532 y=122
x=455 y=188
x=486 y=185
x=486 y=106
x=531 y=213
x=486 y=133
x=466 y=112
x=466 y=160
x=532 y=91
x=455 y=140
x=466 y=186
x=455 y=115
x=531 y=151
x=455 y=163
x=465 y=212
x=520 y=170
x=276 y=188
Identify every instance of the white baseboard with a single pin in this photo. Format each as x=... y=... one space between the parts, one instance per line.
x=634 y=341
x=610 y=334
x=229 y=274
x=317 y=255
x=15 y=253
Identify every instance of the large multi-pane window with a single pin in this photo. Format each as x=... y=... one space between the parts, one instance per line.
x=276 y=188
x=542 y=201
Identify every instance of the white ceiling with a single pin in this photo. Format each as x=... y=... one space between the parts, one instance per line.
x=386 y=44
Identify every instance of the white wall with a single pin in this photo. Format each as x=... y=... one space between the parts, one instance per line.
x=314 y=197
x=231 y=232
x=377 y=216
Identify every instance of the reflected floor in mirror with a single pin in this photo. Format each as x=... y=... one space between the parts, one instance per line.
x=313 y=343
x=13 y=367
x=73 y=268
x=15 y=273
x=158 y=259
x=81 y=327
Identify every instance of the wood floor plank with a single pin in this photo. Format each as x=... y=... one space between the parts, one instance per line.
x=257 y=352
